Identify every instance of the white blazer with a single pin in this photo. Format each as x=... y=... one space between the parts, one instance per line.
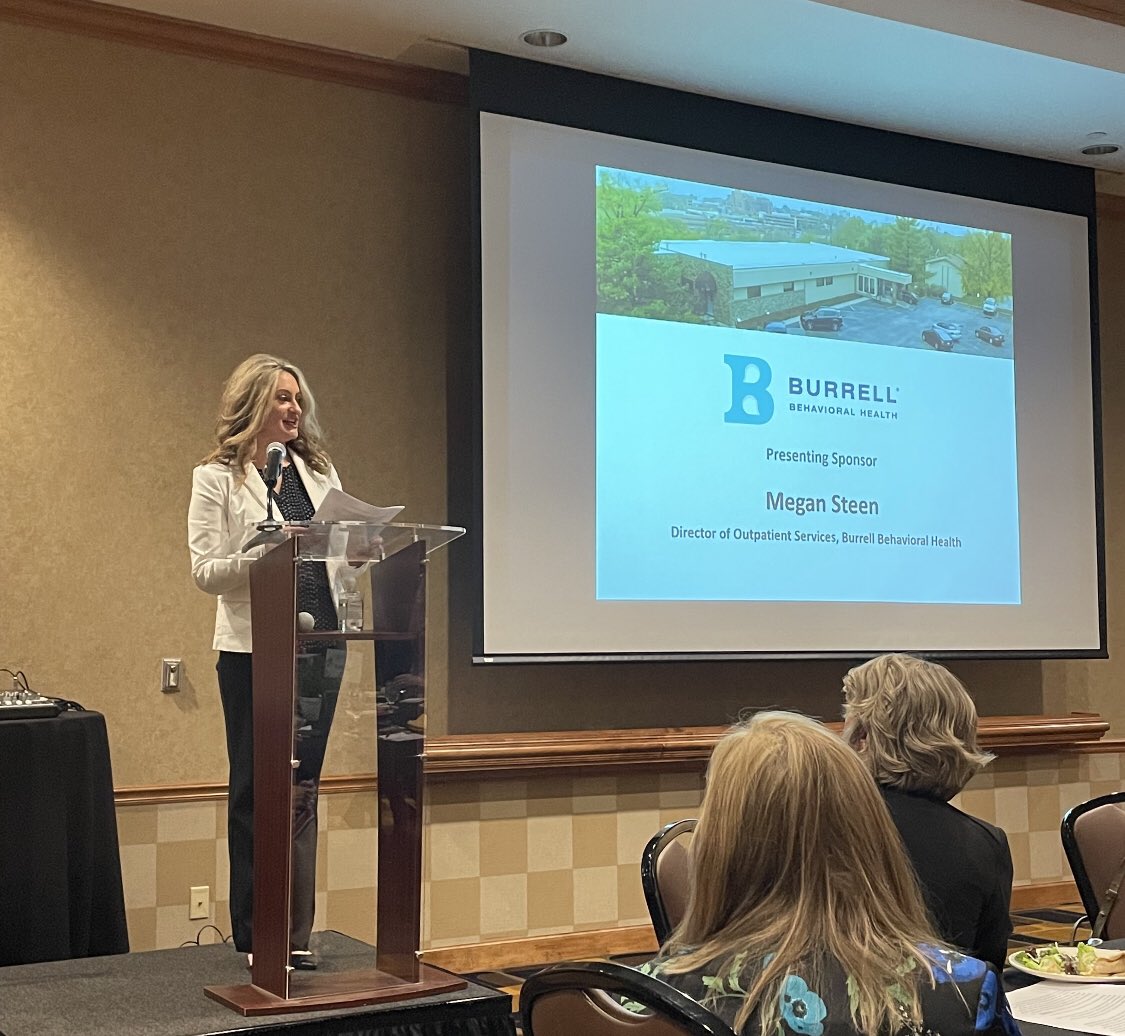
x=218 y=510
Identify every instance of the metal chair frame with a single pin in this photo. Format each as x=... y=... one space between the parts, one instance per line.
x=650 y=882
x=617 y=980
x=1091 y=898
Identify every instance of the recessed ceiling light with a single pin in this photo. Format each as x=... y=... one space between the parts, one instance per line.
x=1096 y=135
x=1101 y=149
x=544 y=38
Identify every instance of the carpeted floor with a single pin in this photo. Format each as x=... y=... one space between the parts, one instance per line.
x=1045 y=925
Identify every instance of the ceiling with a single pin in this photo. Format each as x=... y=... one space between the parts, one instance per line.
x=1012 y=75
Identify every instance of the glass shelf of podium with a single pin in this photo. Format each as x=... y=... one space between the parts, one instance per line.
x=356 y=635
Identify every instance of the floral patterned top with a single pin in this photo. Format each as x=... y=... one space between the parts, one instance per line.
x=966 y=997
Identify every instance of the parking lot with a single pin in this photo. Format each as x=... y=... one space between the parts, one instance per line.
x=866 y=320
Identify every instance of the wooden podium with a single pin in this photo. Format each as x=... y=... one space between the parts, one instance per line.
x=396 y=628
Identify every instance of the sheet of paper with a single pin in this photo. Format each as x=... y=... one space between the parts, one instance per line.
x=338 y=506
x=1064 y=1005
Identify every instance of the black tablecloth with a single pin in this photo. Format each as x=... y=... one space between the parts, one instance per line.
x=60 y=872
x=160 y=993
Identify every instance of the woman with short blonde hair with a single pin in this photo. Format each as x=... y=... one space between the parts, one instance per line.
x=804 y=913
x=914 y=726
x=916 y=723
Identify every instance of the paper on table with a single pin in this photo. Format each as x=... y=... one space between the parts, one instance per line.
x=338 y=506
x=1093 y=1008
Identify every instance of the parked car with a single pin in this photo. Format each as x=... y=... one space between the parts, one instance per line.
x=938 y=338
x=777 y=327
x=950 y=327
x=989 y=307
x=907 y=296
x=947 y=298
x=822 y=319
x=991 y=334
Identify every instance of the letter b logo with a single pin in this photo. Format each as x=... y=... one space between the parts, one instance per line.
x=750 y=403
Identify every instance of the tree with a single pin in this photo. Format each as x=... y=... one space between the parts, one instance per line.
x=988 y=264
x=851 y=233
x=877 y=240
x=908 y=247
x=631 y=280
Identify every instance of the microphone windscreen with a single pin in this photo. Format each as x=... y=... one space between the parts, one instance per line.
x=275 y=453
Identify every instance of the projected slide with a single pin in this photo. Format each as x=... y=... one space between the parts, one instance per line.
x=733 y=407
x=800 y=402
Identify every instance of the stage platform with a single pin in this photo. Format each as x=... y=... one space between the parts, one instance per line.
x=161 y=994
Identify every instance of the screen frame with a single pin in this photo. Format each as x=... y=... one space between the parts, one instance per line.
x=524 y=89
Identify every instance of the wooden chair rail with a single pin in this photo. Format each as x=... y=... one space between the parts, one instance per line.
x=466 y=757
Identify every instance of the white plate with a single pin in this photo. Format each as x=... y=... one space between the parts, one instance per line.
x=1056 y=977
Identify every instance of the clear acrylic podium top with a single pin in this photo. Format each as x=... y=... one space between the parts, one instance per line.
x=353 y=542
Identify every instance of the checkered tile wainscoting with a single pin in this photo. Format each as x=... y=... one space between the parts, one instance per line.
x=511 y=859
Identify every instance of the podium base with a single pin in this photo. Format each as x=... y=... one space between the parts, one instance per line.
x=308 y=992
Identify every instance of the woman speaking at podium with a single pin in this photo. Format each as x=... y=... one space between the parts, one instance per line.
x=265 y=401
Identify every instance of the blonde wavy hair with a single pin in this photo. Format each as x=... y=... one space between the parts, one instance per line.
x=248 y=396
x=913 y=724
x=796 y=861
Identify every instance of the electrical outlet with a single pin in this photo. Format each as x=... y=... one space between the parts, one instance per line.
x=199 y=902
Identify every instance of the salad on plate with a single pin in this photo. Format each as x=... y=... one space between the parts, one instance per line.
x=1081 y=960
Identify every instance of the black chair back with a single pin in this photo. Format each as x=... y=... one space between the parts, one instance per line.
x=583 y=998
x=1093 y=837
x=666 y=876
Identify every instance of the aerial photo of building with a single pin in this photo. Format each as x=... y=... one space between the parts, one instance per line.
x=763 y=279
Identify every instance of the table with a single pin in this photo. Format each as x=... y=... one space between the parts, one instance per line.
x=1014 y=979
x=60 y=871
x=160 y=993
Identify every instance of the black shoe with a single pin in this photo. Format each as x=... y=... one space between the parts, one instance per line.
x=303 y=960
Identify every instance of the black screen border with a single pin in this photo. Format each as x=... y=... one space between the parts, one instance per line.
x=503 y=85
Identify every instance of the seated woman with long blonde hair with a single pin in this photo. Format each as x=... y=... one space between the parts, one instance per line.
x=805 y=916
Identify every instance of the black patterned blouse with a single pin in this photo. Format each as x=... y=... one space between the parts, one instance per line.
x=314 y=595
x=963 y=997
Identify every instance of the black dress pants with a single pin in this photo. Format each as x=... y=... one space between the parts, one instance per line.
x=319 y=675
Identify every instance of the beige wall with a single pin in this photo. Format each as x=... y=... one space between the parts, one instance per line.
x=163 y=216
x=1096 y=686
x=509 y=860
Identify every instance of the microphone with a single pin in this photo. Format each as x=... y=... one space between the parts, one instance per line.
x=269 y=531
x=275 y=454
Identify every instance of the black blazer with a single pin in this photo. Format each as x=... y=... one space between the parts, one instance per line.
x=965 y=869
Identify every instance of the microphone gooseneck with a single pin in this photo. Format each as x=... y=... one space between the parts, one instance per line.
x=269 y=531
x=275 y=454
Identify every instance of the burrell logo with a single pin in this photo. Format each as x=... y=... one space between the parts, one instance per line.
x=750 y=400
x=842 y=390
